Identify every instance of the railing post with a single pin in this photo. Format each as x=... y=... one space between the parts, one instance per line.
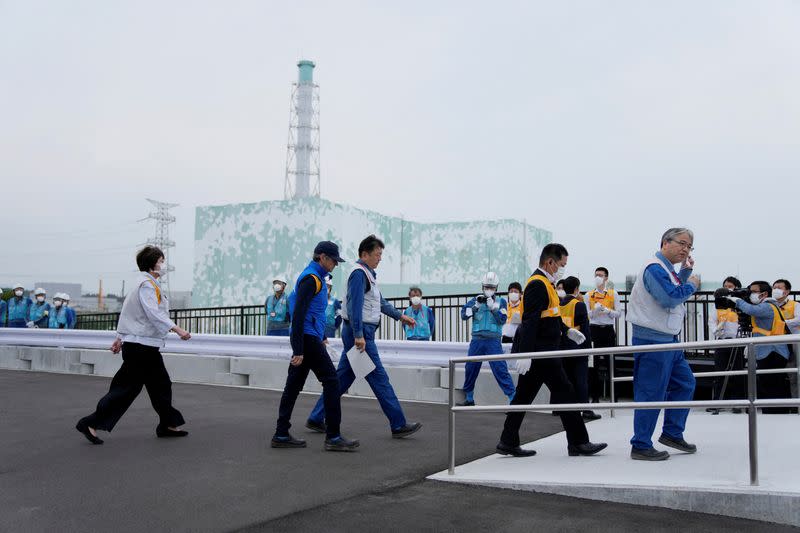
x=451 y=419
x=752 y=427
x=241 y=320
x=611 y=377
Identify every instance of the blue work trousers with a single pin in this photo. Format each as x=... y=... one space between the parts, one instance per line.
x=378 y=379
x=658 y=377
x=284 y=332
x=479 y=346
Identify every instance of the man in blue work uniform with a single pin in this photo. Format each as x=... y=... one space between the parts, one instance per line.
x=333 y=313
x=424 y=327
x=361 y=311
x=72 y=317
x=277 y=306
x=308 y=302
x=58 y=315
x=19 y=308
x=3 y=309
x=657 y=312
x=488 y=316
x=40 y=310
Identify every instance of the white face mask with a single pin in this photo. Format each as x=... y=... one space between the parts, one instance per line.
x=488 y=292
x=559 y=273
x=57 y=303
x=599 y=281
x=416 y=300
x=778 y=293
x=561 y=293
x=513 y=296
x=277 y=287
x=18 y=293
x=755 y=298
x=40 y=299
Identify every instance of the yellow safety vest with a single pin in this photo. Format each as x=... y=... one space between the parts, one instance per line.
x=789 y=307
x=514 y=309
x=568 y=313
x=778 y=324
x=552 y=303
x=727 y=315
x=606 y=299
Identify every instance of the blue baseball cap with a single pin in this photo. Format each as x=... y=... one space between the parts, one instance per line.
x=330 y=249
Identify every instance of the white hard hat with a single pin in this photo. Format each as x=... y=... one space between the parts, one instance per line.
x=39 y=291
x=65 y=296
x=58 y=296
x=491 y=279
x=18 y=286
x=279 y=279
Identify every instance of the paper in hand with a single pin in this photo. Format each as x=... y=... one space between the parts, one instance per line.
x=360 y=362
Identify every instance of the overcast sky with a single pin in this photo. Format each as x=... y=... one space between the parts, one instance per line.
x=603 y=121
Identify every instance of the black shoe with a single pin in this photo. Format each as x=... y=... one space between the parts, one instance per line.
x=341 y=444
x=83 y=427
x=591 y=415
x=313 y=425
x=649 y=454
x=287 y=441
x=466 y=403
x=405 y=431
x=678 y=444
x=163 y=432
x=516 y=451
x=589 y=448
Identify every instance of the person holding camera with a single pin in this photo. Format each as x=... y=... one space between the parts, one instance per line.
x=767 y=321
x=488 y=314
x=724 y=324
x=781 y=290
x=657 y=312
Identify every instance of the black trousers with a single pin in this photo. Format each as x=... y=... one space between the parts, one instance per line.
x=142 y=366
x=773 y=385
x=577 y=371
x=735 y=388
x=551 y=373
x=316 y=360
x=600 y=376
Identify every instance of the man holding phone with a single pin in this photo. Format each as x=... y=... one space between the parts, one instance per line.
x=657 y=312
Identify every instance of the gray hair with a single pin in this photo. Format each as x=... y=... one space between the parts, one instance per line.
x=671 y=233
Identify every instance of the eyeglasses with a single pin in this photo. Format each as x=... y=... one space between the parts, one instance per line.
x=684 y=244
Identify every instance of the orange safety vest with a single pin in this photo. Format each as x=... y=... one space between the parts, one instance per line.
x=778 y=324
x=514 y=309
x=568 y=313
x=727 y=315
x=606 y=299
x=553 y=308
x=789 y=306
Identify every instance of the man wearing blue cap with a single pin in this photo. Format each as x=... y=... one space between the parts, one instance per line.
x=307 y=305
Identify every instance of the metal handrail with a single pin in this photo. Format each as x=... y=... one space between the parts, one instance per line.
x=751 y=403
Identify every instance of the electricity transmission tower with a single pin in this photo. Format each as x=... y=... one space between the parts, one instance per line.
x=163 y=220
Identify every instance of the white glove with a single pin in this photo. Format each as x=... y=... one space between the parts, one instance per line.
x=489 y=302
x=734 y=299
x=575 y=336
x=523 y=365
x=29 y=324
x=468 y=312
x=602 y=309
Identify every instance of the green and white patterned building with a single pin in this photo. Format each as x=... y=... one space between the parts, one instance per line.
x=240 y=248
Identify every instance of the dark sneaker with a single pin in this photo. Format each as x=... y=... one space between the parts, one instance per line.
x=405 y=431
x=516 y=451
x=591 y=415
x=313 y=425
x=287 y=441
x=678 y=444
x=589 y=448
x=466 y=403
x=649 y=454
x=341 y=444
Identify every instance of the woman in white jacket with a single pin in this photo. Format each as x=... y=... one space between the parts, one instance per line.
x=143 y=325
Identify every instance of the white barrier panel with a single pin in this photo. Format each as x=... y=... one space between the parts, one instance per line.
x=393 y=353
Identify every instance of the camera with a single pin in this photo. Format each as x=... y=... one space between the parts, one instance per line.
x=481 y=299
x=721 y=302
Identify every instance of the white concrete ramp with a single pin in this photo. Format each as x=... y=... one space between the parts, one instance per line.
x=714 y=480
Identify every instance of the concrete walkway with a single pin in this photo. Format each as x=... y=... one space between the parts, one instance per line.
x=224 y=477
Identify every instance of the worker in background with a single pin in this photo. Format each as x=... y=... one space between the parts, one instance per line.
x=58 y=314
x=488 y=314
x=575 y=315
x=40 y=310
x=604 y=309
x=72 y=318
x=781 y=290
x=333 y=313
x=514 y=311
x=277 y=306
x=424 y=327
x=19 y=308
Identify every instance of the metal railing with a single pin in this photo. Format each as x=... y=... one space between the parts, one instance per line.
x=751 y=403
